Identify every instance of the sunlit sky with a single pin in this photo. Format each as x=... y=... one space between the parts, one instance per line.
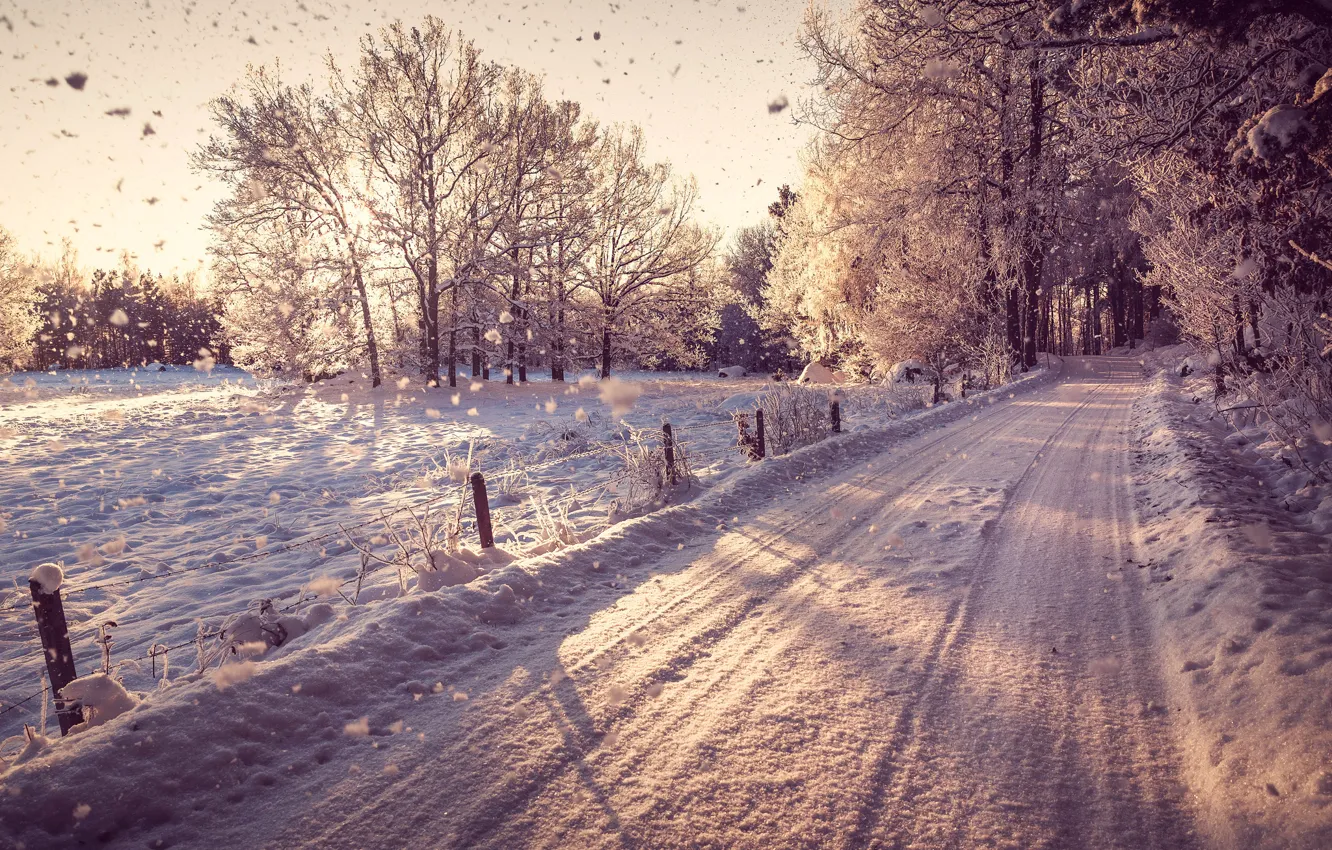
x=699 y=75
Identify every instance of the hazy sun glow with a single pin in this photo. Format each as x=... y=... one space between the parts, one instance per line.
x=107 y=165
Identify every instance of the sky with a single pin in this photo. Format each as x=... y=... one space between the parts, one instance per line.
x=107 y=165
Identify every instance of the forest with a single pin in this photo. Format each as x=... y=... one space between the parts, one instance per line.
x=994 y=179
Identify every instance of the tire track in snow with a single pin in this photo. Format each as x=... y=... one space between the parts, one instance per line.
x=905 y=738
x=1079 y=785
x=669 y=721
x=653 y=732
x=1002 y=417
x=839 y=495
x=694 y=644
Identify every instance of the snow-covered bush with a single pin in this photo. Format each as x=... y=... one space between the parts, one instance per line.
x=877 y=403
x=560 y=439
x=645 y=470
x=555 y=528
x=416 y=539
x=794 y=416
x=992 y=359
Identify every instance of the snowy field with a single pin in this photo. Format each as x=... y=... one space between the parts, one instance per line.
x=176 y=499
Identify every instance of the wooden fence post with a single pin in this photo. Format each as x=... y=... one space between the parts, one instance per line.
x=482 y=512
x=760 y=448
x=50 y=611
x=668 y=447
x=835 y=414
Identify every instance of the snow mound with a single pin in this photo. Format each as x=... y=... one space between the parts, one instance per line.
x=817 y=373
x=448 y=572
x=1238 y=587
x=103 y=699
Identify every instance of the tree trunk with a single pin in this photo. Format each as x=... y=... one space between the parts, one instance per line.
x=522 y=346
x=453 y=357
x=1047 y=319
x=1034 y=254
x=1118 y=307
x=453 y=335
x=557 y=346
x=1241 y=350
x=605 y=351
x=1089 y=325
x=521 y=325
x=476 y=346
x=1013 y=317
x=508 y=361
x=432 y=324
x=375 y=377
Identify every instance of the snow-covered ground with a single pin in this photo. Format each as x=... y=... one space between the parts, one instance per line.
x=1236 y=546
x=903 y=635
x=179 y=498
x=136 y=381
x=1065 y=614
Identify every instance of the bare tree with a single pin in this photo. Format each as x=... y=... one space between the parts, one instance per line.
x=18 y=308
x=646 y=243
x=287 y=148
x=565 y=211
x=418 y=103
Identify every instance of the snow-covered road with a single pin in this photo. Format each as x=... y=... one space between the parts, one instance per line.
x=945 y=646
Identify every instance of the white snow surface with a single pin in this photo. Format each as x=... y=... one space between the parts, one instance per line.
x=1276 y=131
x=174 y=498
x=817 y=373
x=1236 y=550
x=952 y=629
x=102 y=697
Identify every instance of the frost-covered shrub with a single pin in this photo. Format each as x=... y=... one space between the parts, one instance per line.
x=647 y=474
x=556 y=528
x=992 y=358
x=560 y=439
x=417 y=538
x=794 y=416
x=877 y=403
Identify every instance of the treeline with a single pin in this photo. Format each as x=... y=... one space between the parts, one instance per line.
x=996 y=179
x=426 y=211
x=57 y=316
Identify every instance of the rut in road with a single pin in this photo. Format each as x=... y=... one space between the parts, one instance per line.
x=936 y=649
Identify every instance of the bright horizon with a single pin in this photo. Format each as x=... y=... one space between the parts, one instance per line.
x=698 y=76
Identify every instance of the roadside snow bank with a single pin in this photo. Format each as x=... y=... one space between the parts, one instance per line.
x=206 y=762
x=1241 y=581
